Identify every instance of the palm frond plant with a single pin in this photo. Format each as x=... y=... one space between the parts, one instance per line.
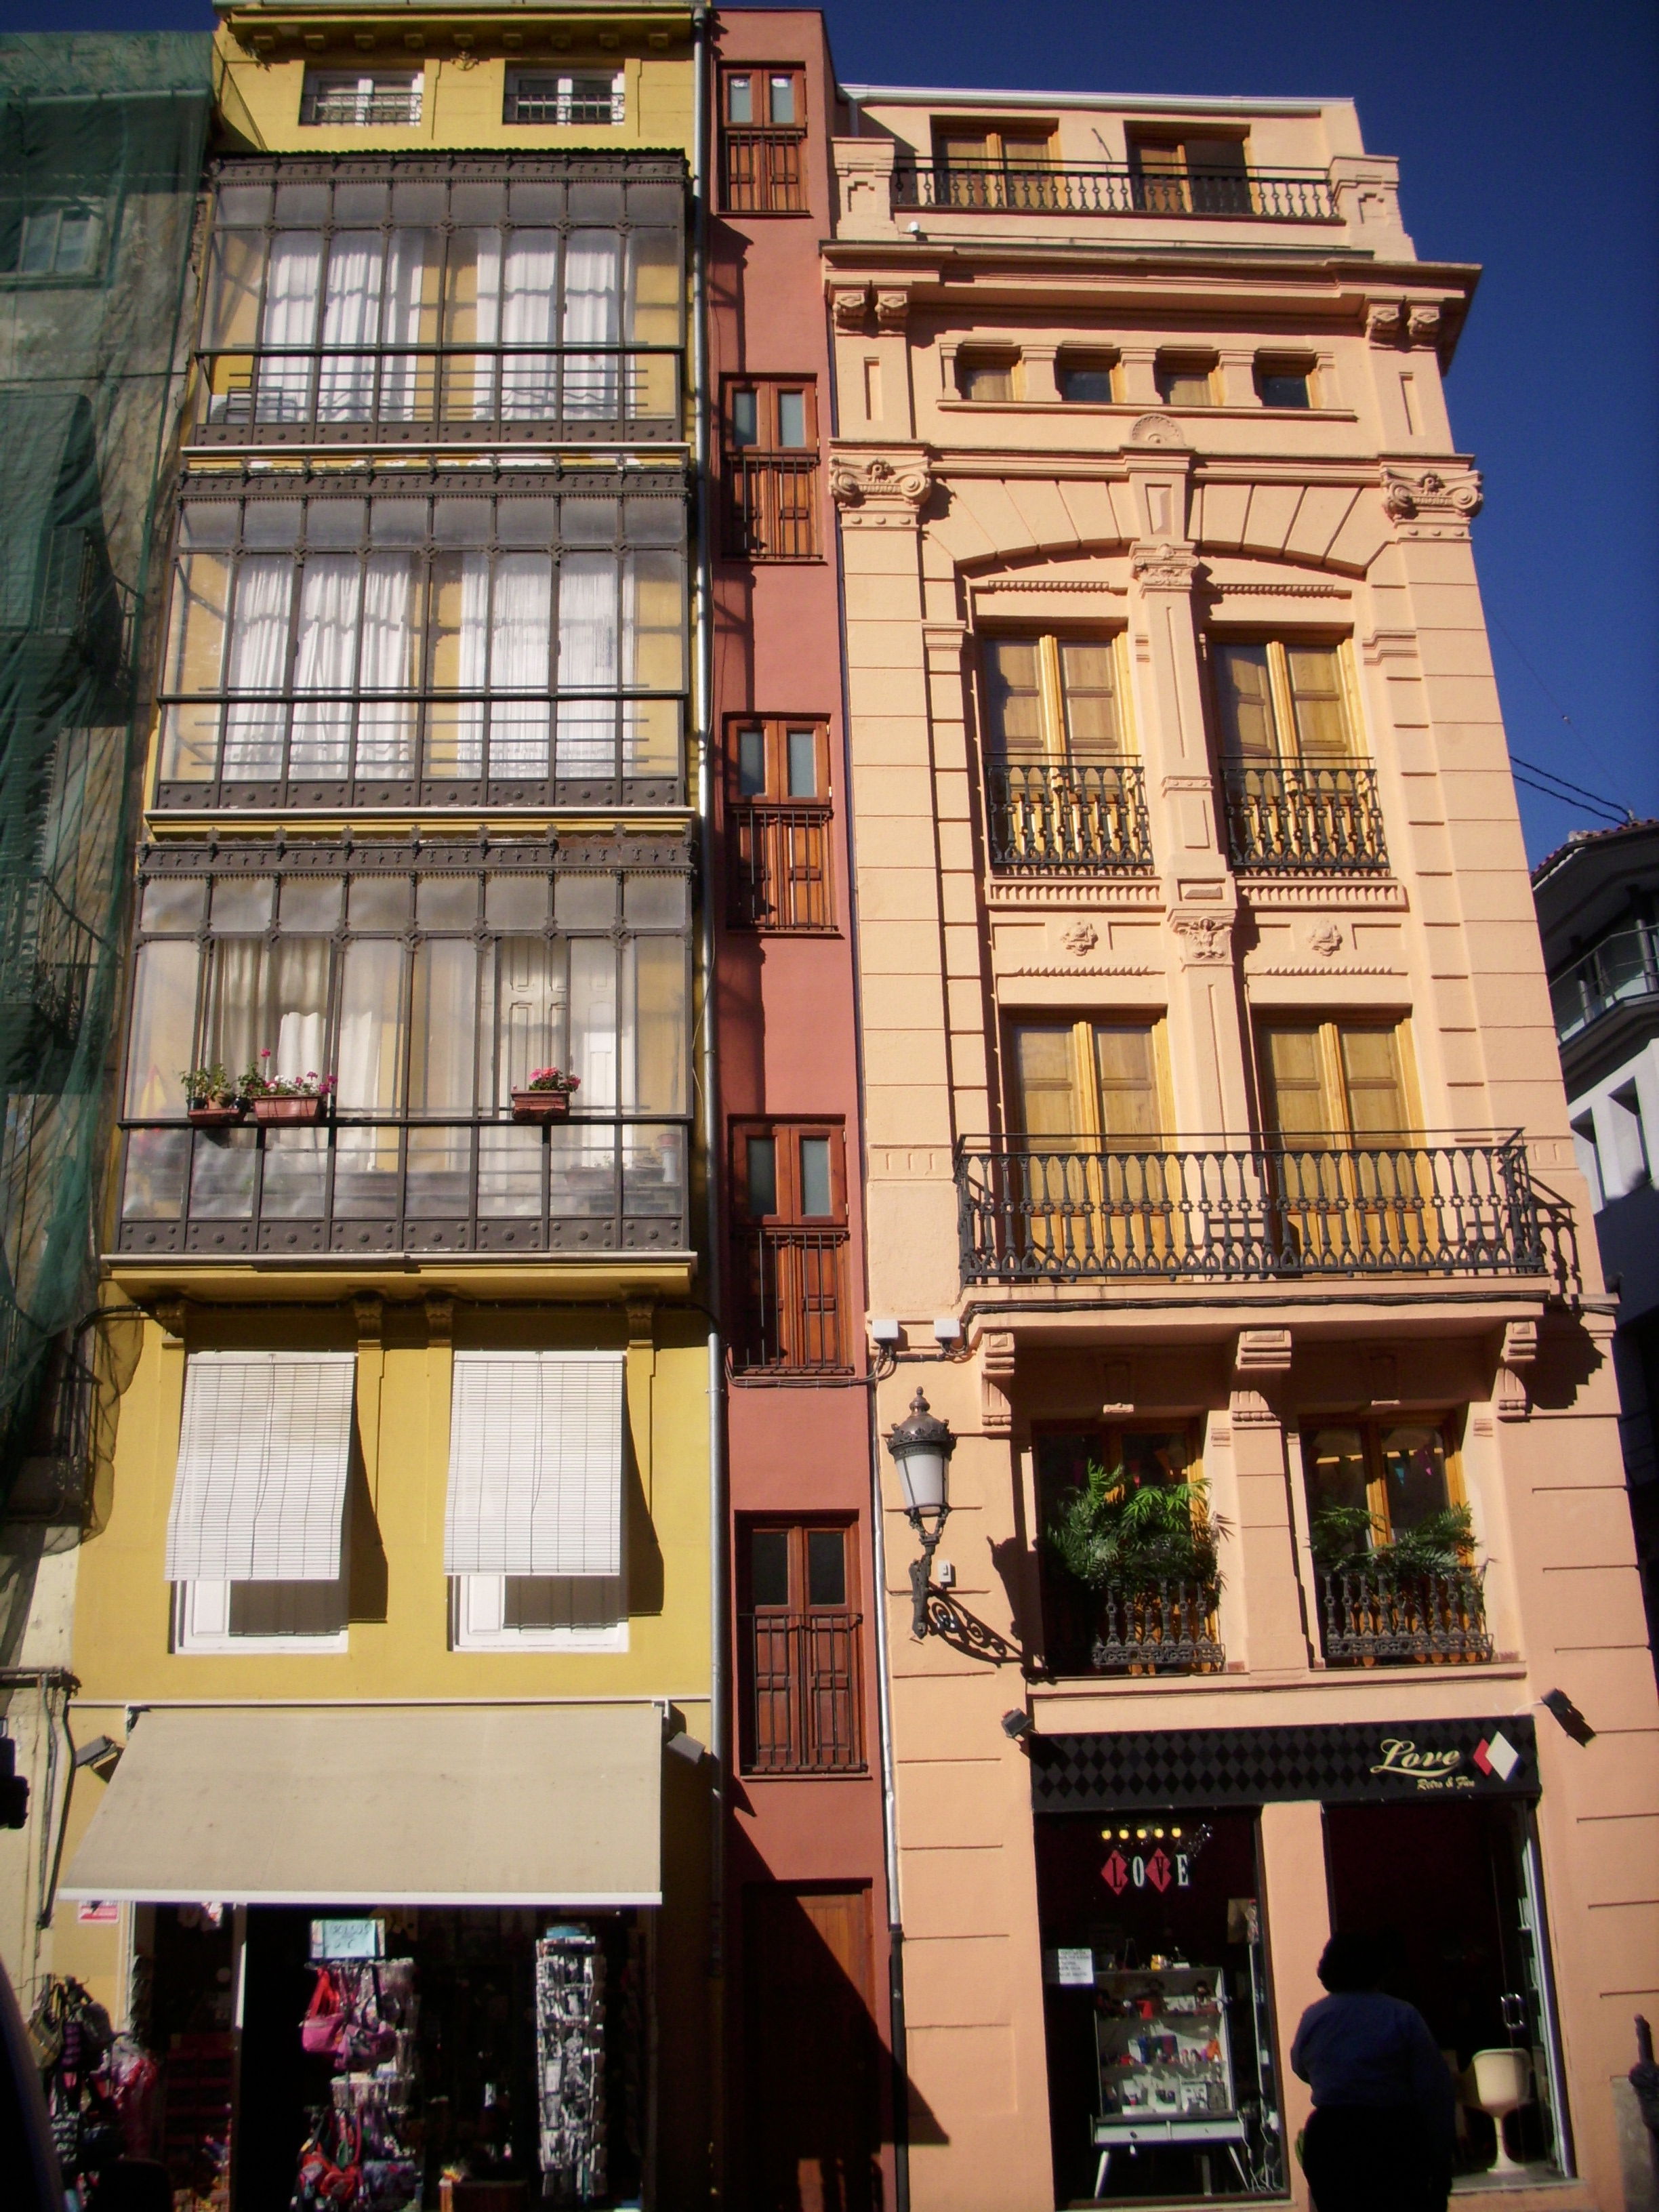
x=1146 y=1552
x=1350 y=1540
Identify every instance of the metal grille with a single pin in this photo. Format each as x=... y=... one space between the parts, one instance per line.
x=762 y=172
x=1299 y=819
x=345 y=104
x=1047 y=817
x=772 y=506
x=1372 y=1618
x=795 y=1286
x=1158 y=1628
x=801 y=1706
x=1036 y=1212
x=1114 y=188
x=1623 y=966
x=778 y=865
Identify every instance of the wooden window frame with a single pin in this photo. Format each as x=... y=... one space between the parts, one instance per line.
x=1287 y=747
x=1168 y=190
x=1372 y=1430
x=763 y=522
x=778 y=846
x=1085 y=1070
x=1333 y=1079
x=1056 y=743
x=1012 y=147
x=1176 y=360
x=786 y=1133
x=970 y=360
x=801 y=1690
x=762 y=172
x=790 y=1268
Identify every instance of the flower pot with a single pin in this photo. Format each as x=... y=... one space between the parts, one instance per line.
x=286 y=1110
x=214 y=1117
x=541 y=1105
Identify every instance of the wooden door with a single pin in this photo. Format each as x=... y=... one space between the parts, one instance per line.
x=812 y=2053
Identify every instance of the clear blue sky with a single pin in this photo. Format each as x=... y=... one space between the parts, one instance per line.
x=1527 y=140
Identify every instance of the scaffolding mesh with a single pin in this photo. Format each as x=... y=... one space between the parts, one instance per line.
x=101 y=144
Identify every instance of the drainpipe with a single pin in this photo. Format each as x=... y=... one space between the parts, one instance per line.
x=704 y=739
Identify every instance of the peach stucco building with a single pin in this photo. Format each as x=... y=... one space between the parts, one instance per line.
x=1210 y=1085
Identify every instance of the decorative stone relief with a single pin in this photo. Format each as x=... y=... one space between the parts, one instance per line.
x=892 y=309
x=880 y=493
x=1157 y=430
x=1163 y=568
x=1207 y=939
x=996 y=1374
x=1080 y=939
x=849 y=308
x=1326 y=940
x=1385 y=321
x=1423 y=325
x=1426 y=495
x=1512 y=1400
x=1262 y=1359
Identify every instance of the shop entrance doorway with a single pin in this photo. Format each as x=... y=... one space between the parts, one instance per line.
x=1160 y=2038
x=1451 y=1890
x=810 y=2075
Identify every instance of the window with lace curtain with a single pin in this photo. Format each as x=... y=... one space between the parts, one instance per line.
x=414 y=297
x=521 y=644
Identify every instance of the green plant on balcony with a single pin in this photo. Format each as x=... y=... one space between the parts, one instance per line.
x=1145 y=1552
x=1351 y=1540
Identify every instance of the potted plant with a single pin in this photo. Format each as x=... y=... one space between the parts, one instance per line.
x=546 y=1096
x=210 y=1096
x=1347 y=1540
x=285 y=1098
x=1145 y=1551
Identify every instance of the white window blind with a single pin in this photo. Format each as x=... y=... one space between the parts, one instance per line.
x=535 y=1464
x=263 y=1453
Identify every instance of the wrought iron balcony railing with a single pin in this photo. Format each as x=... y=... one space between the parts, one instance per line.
x=1370 y=1618
x=1072 y=816
x=345 y=105
x=1299 y=819
x=772 y=506
x=801 y=1701
x=1621 y=969
x=465 y=394
x=791 y=1284
x=1043 y=1211
x=1162 y=1628
x=388 y=749
x=1115 y=188
x=777 y=863
x=404 y=1185
x=762 y=171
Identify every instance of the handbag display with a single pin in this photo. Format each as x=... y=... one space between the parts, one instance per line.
x=325 y=2023
x=331 y=2175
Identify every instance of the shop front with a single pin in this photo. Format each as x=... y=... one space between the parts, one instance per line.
x=1170 y=1997
x=421 y=1942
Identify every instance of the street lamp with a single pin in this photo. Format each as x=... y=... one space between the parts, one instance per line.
x=921 y=1447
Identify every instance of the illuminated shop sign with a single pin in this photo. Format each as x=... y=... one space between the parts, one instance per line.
x=1347 y=1763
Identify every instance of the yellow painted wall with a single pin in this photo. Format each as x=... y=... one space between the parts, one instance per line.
x=123 y=1601
x=465 y=91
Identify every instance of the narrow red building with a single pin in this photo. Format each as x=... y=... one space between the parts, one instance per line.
x=808 y=1907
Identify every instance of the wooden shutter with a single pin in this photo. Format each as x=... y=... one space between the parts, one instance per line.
x=263 y=1455
x=535 y=1464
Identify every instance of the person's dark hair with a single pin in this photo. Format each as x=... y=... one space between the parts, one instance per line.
x=1351 y=1961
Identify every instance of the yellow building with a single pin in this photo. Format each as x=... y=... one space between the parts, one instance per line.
x=398 y=1594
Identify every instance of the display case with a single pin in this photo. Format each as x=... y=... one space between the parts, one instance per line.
x=1165 y=2060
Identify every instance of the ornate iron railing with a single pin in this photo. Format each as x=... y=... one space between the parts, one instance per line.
x=1073 y=817
x=777 y=864
x=366 y=1186
x=772 y=506
x=1162 y=1627
x=475 y=394
x=345 y=104
x=1035 y=1210
x=1370 y=1618
x=1115 y=188
x=1622 y=967
x=762 y=171
x=801 y=1693
x=793 y=1287
x=1297 y=818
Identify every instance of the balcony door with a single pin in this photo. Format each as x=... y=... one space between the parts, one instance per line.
x=1063 y=789
x=1088 y=1103
x=1299 y=794
x=995 y=165
x=1345 y=1169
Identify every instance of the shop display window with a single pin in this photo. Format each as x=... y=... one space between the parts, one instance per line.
x=1161 y=2067
x=1453 y=1894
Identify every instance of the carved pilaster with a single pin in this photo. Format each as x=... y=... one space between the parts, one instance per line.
x=892 y=308
x=1204 y=940
x=996 y=1375
x=849 y=306
x=880 y=491
x=1163 y=568
x=1431 y=503
x=1261 y=1361
x=1385 y=321
x=1512 y=1400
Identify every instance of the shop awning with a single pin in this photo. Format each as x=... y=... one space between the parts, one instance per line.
x=263 y=1449
x=406 y=1805
x=535 y=1464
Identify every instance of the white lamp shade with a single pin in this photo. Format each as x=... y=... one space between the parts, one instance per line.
x=921 y=1473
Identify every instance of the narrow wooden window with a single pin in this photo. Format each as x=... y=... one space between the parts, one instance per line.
x=790 y=1189
x=800 y=1628
x=778 y=818
x=762 y=136
x=1334 y=1081
x=1281 y=699
x=1090 y=1080
x=771 y=469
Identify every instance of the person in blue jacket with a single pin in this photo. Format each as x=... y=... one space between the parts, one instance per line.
x=1381 y=2137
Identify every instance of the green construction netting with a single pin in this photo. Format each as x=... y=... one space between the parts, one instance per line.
x=102 y=141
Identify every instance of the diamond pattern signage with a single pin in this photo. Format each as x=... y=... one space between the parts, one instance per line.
x=1346 y=1764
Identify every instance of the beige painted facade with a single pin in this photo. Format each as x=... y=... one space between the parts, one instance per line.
x=1174 y=525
